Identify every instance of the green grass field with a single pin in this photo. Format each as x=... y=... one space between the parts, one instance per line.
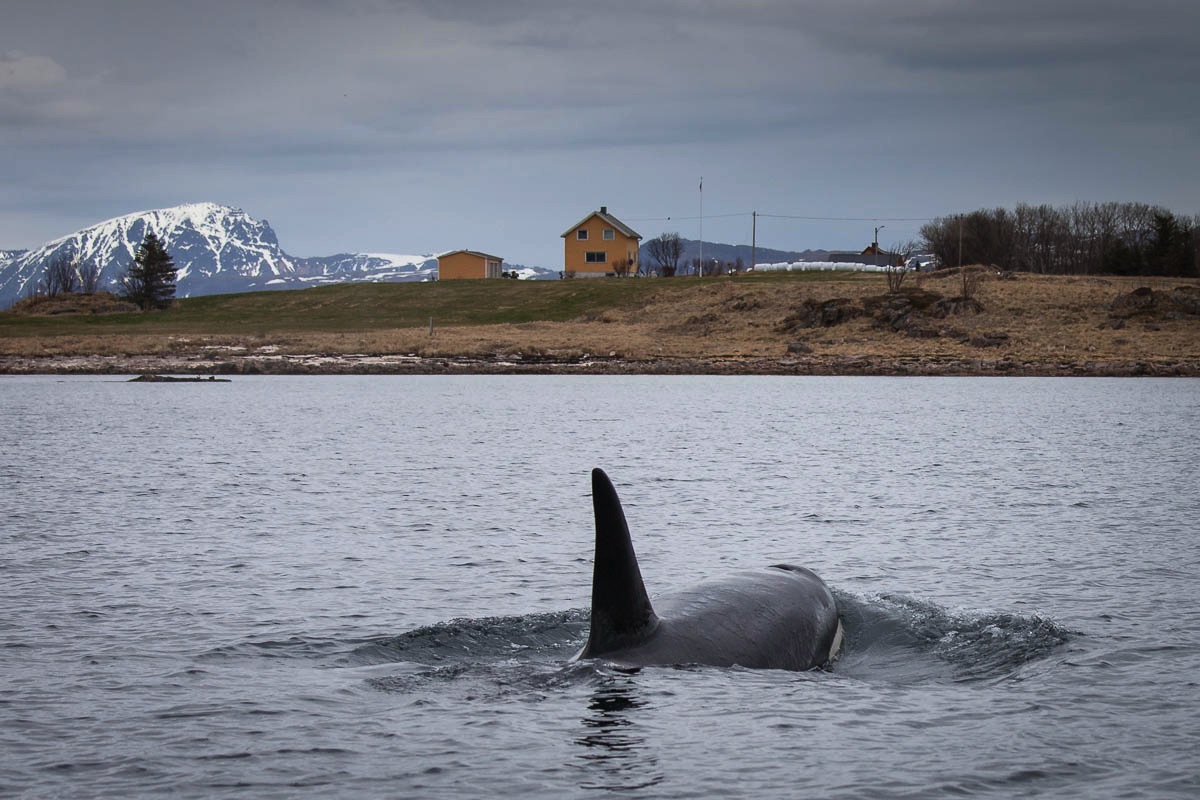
x=364 y=307
x=349 y=307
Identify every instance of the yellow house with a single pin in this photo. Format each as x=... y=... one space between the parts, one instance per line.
x=600 y=246
x=468 y=264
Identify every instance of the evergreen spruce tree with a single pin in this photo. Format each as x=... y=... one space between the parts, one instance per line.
x=150 y=280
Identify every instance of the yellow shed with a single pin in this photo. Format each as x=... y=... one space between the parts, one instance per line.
x=461 y=264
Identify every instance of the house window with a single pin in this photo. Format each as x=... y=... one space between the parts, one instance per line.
x=596 y=257
x=581 y=234
x=609 y=235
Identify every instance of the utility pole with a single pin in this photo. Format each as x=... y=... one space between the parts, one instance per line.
x=700 y=267
x=753 y=237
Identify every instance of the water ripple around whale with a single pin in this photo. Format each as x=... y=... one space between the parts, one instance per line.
x=890 y=638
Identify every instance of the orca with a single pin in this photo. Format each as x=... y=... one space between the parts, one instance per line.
x=778 y=617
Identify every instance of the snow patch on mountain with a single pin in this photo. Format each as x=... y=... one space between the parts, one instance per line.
x=9 y=257
x=368 y=267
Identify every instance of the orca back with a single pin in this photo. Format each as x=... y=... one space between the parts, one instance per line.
x=779 y=617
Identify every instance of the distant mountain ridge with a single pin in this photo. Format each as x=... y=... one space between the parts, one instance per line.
x=730 y=253
x=217 y=249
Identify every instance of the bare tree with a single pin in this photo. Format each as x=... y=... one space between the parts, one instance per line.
x=666 y=249
x=89 y=277
x=622 y=266
x=1195 y=237
x=61 y=276
x=898 y=270
x=969 y=281
x=1040 y=232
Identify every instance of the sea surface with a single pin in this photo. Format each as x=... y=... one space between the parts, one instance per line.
x=289 y=587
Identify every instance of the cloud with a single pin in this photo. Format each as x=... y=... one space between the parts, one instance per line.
x=35 y=94
x=25 y=73
x=917 y=108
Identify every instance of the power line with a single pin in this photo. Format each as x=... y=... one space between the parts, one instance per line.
x=784 y=216
x=686 y=219
x=848 y=219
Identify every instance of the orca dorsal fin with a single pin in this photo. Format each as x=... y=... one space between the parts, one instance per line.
x=621 y=612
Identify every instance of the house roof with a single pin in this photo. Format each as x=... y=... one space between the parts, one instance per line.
x=471 y=253
x=607 y=218
x=869 y=251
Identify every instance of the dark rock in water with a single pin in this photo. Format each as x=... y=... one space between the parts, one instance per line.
x=151 y=378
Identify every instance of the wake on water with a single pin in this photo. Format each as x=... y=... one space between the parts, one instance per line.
x=898 y=639
x=889 y=639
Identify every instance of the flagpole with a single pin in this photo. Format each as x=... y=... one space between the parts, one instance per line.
x=700 y=270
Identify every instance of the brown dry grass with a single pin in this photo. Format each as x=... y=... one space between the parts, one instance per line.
x=1046 y=319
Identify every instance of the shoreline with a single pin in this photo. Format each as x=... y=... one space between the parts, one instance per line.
x=1012 y=324
x=363 y=364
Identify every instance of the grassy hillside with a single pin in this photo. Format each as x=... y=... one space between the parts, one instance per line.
x=349 y=307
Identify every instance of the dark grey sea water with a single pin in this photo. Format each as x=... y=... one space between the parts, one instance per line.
x=372 y=587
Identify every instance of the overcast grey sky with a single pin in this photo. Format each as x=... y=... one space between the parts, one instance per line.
x=417 y=126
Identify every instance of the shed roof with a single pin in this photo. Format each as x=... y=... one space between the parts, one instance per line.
x=471 y=253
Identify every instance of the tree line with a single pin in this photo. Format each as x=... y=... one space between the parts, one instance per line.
x=1081 y=239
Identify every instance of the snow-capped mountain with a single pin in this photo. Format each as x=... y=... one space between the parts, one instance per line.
x=216 y=249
